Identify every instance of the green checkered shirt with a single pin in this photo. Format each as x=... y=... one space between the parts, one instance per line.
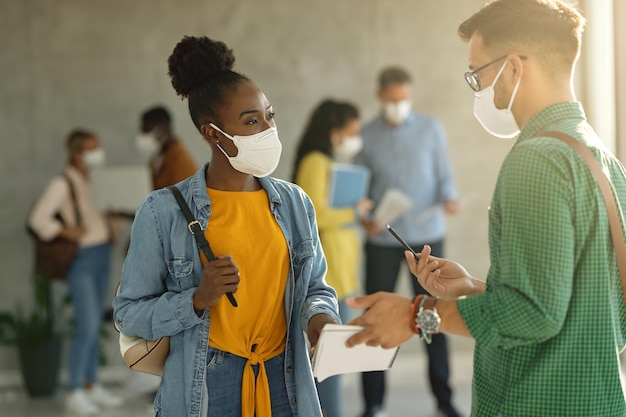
x=552 y=320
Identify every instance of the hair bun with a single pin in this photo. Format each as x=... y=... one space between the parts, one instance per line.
x=195 y=60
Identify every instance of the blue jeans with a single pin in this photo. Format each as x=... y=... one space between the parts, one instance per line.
x=329 y=390
x=224 y=374
x=88 y=284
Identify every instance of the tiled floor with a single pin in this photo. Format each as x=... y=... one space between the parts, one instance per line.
x=408 y=393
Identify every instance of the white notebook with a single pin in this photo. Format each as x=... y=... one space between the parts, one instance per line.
x=393 y=204
x=120 y=187
x=332 y=357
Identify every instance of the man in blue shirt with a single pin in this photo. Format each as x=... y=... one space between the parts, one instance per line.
x=406 y=151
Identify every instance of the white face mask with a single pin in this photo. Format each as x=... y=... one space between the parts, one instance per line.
x=94 y=158
x=147 y=143
x=397 y=112
x=498 y=122
x=347 y=149
x=257 y=154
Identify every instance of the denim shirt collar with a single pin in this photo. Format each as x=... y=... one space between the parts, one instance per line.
x=203 y=201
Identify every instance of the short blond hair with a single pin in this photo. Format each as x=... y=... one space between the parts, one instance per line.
x=548 y=30
x=76 y=138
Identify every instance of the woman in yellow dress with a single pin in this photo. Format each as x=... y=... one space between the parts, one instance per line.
x=332 y=134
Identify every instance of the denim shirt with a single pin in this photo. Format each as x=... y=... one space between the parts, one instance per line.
x=163 y=269
x=412 y=158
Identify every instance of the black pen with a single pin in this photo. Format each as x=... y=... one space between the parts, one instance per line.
x=406 y=245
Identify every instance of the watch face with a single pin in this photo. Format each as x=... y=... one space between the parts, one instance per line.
x=428 y=321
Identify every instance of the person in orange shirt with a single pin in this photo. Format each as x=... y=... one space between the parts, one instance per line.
x=170 y=162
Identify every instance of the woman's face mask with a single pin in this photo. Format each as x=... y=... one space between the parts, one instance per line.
x=257 y=154
x=94 y=158
x=348 y=148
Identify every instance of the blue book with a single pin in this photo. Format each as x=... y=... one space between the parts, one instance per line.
x=348 y=184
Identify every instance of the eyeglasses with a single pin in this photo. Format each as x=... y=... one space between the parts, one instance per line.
x=472 y=78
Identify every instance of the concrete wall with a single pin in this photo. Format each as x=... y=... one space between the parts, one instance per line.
x=68 y=63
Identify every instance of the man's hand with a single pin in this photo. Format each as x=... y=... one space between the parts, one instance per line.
x=442 y=277
x=387 y=320
x=363 y=207
x=315 y=326
x=452 y=206
x=372 y=227
x=218 y=277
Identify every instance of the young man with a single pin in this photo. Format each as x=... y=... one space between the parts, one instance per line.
x=550 y=319
x=170 y=162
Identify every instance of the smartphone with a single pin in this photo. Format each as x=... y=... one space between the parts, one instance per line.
x=397 y=236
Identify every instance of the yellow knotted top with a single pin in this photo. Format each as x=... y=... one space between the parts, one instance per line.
x=242 y=226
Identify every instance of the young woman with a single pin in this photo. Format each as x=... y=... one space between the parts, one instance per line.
x=249 y=360
x=332 y=133
x=88 y=277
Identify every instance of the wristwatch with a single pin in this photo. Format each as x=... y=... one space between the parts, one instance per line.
x=427 y=318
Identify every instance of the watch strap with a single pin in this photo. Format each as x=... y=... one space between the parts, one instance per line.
x=429 y=303
x=414 y=309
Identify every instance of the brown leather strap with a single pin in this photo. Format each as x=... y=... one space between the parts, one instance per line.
x=609 y=200
x=78 y=217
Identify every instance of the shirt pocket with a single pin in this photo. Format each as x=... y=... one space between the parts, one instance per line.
x=181 y=271
x=302 y=262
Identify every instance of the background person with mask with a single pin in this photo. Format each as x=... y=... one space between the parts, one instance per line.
x=169 y=161
x=332 y=133
x=401 y=147
x=88 y=277
x=549 y=321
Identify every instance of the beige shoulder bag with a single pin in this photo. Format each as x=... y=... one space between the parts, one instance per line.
x=149 y=356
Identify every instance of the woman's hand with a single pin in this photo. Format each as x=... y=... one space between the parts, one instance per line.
x=363 y=207
x=72 y=233
x=315 y=326
x=218 y=277
x=442 y=277
x=372 y=227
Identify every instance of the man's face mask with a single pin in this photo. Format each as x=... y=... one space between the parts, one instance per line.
x=257 y=154
x=147 y=143
x=397 y=112
x=498 y=122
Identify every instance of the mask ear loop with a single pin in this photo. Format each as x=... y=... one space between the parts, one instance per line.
x=495 y=80
x=221 y=131
x=217 y=141
x=514 y=92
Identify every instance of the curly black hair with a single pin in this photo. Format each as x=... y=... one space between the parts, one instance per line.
x=201 y=71
x=328 y=115
x=157 y=114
